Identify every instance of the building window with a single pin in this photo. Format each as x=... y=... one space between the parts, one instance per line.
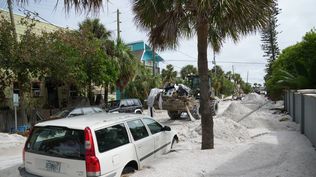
x=16 y=88
x=73 y=91
x=36 y=89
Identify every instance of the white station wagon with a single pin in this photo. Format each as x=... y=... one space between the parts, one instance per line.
x=101 y=144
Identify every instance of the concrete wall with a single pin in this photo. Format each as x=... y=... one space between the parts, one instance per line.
x=288 y=101
x=301 y=106
x=298 y=107
x=291 y=105
x=285 y=100
x=310 y=117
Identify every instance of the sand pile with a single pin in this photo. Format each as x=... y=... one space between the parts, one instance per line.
x=11 y=140
x=254 y=98
x=226 y=130
x=235 y=111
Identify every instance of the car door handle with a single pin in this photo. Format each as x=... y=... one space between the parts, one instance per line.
x=139 y=146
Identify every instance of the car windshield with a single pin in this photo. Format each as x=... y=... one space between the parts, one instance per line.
x=57 y=142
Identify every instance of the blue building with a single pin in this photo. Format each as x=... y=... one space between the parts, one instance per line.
x=144 y=52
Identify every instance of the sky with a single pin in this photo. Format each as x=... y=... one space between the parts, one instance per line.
x=296 y=18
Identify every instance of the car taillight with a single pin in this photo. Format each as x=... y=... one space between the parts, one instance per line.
x=26 y=142
x=24 y=155
x=92 y=162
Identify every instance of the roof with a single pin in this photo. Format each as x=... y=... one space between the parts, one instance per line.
x=144 y=51
x=38 y=28
x=91 y=120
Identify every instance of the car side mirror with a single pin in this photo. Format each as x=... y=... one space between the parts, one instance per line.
x=165 y=128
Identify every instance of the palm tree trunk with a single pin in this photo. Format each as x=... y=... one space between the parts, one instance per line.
x=106 y=95
x=207 y=119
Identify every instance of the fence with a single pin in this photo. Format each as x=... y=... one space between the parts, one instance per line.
x=301 y=105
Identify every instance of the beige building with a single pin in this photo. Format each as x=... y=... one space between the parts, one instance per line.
x=45 y=93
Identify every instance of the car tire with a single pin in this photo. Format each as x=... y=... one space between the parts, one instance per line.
x=174 y=115
x=127 y=171
x=138 y=112
x=174 y=140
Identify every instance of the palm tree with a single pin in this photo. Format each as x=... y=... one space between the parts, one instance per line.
x=168 y=75
x=95 y=29
x=127 y=65
x=188 y=70
x=212 y=22
x=87 y=6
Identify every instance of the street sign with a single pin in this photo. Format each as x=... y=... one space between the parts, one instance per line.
x=15 y=100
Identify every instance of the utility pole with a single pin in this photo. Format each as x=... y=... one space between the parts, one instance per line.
x=247 y=76
x=118 y=24
x=9 y=2
x=214 y=61
x=233 y=69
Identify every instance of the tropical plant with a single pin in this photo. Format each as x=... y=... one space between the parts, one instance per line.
x=127 y=65
x=269 y=40
x=294 y=68
x=212 y=22
x=168 y=75
x=6 y=54
x=93 y=29
x=188 y=70
x=143 y=82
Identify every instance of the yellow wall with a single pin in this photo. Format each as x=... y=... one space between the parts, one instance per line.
x=39 y=26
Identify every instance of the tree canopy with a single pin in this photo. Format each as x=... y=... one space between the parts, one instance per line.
x=295 y=67
x=212 y=22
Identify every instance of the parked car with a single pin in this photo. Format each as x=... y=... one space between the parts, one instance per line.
x=101 y=144
x=76 y=112
x=132 y=105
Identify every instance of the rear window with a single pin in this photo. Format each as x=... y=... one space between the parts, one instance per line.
x=130 y=103
x=58 y=142
x=137 y=102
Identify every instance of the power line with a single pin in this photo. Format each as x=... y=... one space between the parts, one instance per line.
x=36 y=15
x=218 y=61
x=186 y=54
x=166 y=63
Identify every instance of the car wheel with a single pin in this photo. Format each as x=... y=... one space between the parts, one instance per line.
x=127 y=171
x=174 y=140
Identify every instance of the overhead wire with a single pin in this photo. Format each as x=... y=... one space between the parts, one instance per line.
x=218 y=61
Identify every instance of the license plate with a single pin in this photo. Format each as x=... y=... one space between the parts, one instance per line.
x=53 y=166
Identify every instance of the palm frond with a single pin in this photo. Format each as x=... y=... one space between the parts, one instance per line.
x=80 y=6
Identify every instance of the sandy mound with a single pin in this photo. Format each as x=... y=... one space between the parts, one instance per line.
x=11 y=140
x=235 y=111
x=254 y=98
x=227 y=130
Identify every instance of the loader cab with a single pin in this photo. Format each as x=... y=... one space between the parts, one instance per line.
x=194 y=82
